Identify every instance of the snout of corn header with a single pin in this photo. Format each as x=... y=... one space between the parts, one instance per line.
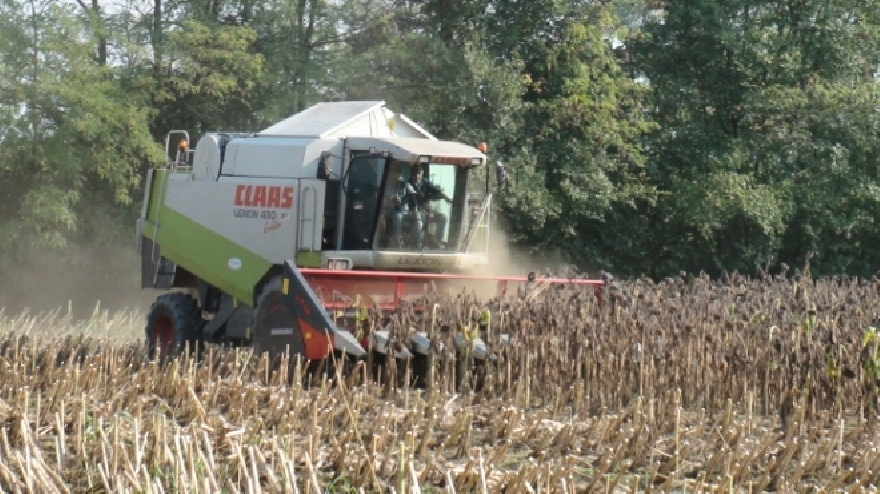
x=311 y=316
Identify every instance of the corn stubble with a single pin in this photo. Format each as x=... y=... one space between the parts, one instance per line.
x=738 y=385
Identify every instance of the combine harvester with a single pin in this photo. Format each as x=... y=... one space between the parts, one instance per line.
x=273 y=239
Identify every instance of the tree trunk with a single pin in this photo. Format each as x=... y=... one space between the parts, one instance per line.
x=157 y=38
x=102 y=34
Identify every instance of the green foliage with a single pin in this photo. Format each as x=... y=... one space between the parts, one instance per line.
x=301 y=43
x=769 y=136
x=212 y=74
x=69 y=131
x=585 y=129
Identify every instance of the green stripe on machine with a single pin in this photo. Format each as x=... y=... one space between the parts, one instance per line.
x=205 y=253
x=308 y=259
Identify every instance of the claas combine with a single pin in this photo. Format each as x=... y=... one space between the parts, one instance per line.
x=286 y=239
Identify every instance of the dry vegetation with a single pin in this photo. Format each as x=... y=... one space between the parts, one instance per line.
x=736 y=386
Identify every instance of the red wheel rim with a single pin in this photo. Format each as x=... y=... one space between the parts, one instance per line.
x=164 y=334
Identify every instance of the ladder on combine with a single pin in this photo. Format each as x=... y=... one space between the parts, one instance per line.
x=181 y=158
x=478 y=221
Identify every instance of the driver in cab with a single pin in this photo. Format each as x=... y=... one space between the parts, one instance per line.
x=413 y=196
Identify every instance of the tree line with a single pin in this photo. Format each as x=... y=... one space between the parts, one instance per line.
x=646 y=137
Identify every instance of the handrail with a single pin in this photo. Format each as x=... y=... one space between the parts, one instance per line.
x=468 y=240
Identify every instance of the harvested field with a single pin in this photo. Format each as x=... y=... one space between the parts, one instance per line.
x=687 y=385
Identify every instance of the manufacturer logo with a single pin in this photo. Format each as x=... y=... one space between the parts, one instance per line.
x=234 y=264
x=264 y=196
x=420 y=261
x=451 y=159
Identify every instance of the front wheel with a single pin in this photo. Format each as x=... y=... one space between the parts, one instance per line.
x=174 y=320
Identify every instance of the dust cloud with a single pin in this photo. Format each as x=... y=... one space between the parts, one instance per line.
x=506 y=258
x=77 y=280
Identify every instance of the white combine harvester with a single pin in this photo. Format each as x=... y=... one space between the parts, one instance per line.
x=313 y=213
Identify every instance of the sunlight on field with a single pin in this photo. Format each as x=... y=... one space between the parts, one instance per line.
x=126 y=325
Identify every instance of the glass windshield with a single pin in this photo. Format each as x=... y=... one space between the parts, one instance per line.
x=362 y=190
x=421 y=206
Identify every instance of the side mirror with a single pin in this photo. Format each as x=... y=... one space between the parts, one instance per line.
x=502 y=177
x=324 y=167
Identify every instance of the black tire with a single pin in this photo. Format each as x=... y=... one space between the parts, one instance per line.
x=174 y=320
